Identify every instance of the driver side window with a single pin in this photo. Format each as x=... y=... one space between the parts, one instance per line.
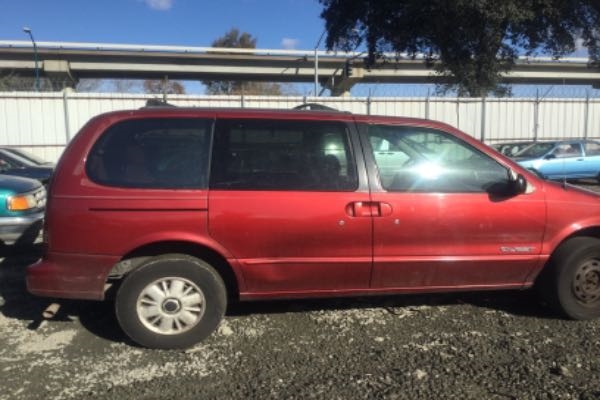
x=567 y=150
x=414 y=159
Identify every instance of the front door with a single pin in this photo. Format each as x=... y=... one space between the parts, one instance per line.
x=282 y=198
x=450 y=222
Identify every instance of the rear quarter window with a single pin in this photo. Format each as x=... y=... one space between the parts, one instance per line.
x=592 y=149
x=159 y=153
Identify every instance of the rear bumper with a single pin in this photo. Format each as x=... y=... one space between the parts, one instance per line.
x=71 y=276
x=24 y=228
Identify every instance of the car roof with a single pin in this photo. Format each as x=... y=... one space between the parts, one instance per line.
x=557 y=142
x=323 y=115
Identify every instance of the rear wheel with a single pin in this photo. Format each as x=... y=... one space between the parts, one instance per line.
x=572 y=282
x=171 y=301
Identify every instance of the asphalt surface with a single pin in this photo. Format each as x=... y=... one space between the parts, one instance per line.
x=492 y=345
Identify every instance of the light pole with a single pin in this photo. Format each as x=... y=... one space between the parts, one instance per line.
x=317 y=63
x=35 y=57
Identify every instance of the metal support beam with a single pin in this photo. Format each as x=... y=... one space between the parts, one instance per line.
x=81 y=60
x=344 y=83
x=59 y=71
x=483 y=119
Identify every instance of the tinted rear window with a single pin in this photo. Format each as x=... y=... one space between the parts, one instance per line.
x=163 y=153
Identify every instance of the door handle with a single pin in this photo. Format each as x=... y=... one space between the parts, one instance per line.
x=368 y=209
x=385 y=209
x=361 y=209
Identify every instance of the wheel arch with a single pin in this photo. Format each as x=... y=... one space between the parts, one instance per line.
x=136 y=257
x=590 y=231
x=555 y=283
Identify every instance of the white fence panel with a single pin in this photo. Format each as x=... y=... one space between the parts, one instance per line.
x=205 y=101
x=509 y=120
x=593 y=128
x=31 y=118
x=355 y=105
x=273 y=102
x=469 y=117
x=44 y=122
x=561 y=118
x=416 y=108
x=444 y=110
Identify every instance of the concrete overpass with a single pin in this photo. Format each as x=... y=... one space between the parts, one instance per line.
x=70 y=62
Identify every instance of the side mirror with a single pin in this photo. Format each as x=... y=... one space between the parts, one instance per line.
x=515 y=184
x=518 y=184
x=549 y=157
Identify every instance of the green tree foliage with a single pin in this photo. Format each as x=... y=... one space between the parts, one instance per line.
x=470 y=43
x=240 y=40
x=163 y=86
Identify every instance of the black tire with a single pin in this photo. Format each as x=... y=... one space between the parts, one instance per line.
x=571 y=282
x=171 y=301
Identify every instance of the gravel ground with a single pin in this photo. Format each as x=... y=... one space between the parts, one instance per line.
x=494 y=345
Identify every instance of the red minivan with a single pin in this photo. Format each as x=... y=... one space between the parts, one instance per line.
x=177 y=211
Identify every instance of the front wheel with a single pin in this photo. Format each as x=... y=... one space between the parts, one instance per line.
x=572 y=283
x=171 y=301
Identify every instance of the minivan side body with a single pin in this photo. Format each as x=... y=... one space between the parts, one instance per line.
x=265 y=204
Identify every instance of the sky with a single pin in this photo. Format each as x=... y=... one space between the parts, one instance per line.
x=277 y=24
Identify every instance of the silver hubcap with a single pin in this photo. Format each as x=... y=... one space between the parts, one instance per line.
x=586 y=284
x=170 y=306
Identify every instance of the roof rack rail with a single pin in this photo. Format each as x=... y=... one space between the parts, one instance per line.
x=157 y=103
x=314 y=107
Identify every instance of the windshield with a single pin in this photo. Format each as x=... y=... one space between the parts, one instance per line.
x=536 y=150
x=27 y=156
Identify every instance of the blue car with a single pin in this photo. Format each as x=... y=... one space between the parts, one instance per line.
x=567 y=159
x=22 y=204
